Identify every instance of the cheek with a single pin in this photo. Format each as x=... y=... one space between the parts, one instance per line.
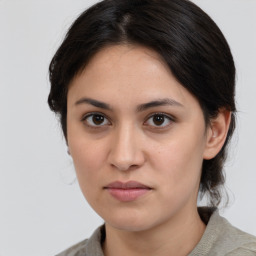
x=178 y=178
x=88 y=168
x=88 y=159
x=179 y=166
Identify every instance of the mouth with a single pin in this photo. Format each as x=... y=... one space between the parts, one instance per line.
x=128 y=191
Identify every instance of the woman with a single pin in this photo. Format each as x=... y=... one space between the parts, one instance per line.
x=145 y=94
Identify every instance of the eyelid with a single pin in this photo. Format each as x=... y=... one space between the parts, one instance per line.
x=93 y=113
x=170 y=117
x=85 y=116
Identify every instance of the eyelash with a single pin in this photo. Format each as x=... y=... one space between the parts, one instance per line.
x=87 y=116
x=165 y=116
x=168 y=117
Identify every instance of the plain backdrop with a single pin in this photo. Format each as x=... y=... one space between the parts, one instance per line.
x=42 y=210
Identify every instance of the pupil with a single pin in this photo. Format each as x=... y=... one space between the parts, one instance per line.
x=98 y=119
x=158 y=120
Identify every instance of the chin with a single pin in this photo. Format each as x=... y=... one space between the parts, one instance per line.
x=131 y=223
x=130 y=227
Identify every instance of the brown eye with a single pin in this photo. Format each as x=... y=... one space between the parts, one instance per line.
x=159 y=120
x=96 y=120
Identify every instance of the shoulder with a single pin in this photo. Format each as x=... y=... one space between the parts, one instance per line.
x=246 y=250
x=87 y=247
x=76 y=250
x=235 y=242
x=232 y=240
x=221 y=238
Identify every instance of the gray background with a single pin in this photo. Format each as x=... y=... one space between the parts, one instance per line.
x=42 y=210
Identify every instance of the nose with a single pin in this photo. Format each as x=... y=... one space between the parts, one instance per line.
x=126 y=152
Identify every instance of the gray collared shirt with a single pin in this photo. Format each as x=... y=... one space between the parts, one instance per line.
x=220 y=238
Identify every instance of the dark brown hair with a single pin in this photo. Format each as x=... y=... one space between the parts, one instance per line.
x=189 y=42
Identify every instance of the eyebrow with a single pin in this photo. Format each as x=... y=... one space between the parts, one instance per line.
x=140 y=108
x=93 y=102
x=157 y=103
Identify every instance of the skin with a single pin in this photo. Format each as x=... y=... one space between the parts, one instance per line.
x=128 y=142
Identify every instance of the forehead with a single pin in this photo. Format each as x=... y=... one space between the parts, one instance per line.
x=126 y=54
x=136 y=72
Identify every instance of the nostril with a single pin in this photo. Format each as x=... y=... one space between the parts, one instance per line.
x=123 y=167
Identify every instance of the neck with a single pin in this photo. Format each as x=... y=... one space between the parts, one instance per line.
x=176 y=237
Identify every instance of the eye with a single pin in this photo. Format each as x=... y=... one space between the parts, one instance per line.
x=159 y=120
x=95 y=120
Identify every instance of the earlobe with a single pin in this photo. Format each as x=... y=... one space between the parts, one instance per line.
x=217 y=133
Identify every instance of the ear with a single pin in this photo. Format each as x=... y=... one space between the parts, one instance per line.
x=217 y=133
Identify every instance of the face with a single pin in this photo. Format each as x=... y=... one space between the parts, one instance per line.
x=137 y=138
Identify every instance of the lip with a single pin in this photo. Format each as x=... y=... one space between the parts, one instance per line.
x=127 y=191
